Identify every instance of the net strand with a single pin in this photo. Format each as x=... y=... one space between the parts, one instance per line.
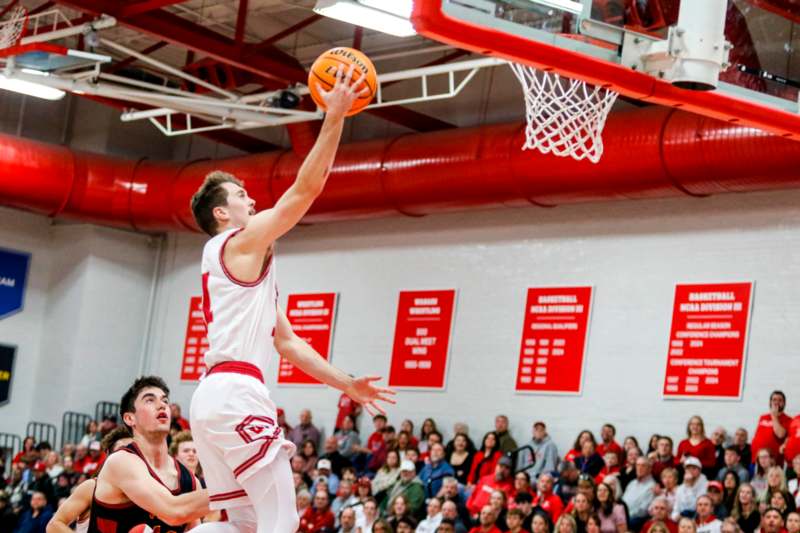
x=565 y=117
x=11 y=29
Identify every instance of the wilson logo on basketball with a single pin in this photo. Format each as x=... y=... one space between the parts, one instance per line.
x=352 y=57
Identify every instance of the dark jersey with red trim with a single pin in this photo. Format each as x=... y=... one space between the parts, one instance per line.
x=120 y=518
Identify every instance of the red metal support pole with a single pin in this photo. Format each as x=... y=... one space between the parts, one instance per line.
x=144 y=6
x=241 y=22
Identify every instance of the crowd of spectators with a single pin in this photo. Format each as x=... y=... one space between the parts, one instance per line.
x=399 y=480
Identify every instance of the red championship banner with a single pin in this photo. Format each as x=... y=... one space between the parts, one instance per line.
x=708 y=341
x=196 y=343
x=554 y=340
x=312 y=317
x=422 y=339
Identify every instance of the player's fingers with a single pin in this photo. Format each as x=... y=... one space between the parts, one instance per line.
x=321 y=90
x=349 y=77
x=364 y=92
x=372 y=378
x=339 y=71
x=382 y=390
x=355 y=87
x=387 y=399
x=378 y=408
x=370 y=409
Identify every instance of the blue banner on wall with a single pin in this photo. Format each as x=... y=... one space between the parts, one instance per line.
x=6 y=372
x=13 y=277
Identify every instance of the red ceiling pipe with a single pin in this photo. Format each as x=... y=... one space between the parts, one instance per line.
x=653 y=152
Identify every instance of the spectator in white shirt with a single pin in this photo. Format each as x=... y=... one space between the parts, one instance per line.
x=433 y=519
x=693 y=486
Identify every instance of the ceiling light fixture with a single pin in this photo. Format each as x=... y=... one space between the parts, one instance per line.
x=29 y=88
x=386 y=17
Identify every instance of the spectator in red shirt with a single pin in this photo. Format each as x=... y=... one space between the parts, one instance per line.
x=318 y=517
x=346 y=407
x=500 y=480
x=698 y=445
x=772 y=521
x=484 y=462
x=522 y=483
x=792 y=447
x=610 y=468
x=486 y=521
x=772 y=428
x=608 y=444
x=660 y=510
x=546 y=499
x=176 y=418
x=28 y=447
x=408 y=426
x=94 y=460
x=80 y=458
x=662 y=458
x=578 y=446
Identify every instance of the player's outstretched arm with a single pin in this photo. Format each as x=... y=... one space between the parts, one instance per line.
x=129 y=474
x=300 y=354
x=73 y=507
x=266 y=227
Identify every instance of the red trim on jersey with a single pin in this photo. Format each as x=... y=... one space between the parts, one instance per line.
x=222 y=496
x=114 y=505
x=239 y=470
x=237 y=367
x=207 y=315
x=231 y=277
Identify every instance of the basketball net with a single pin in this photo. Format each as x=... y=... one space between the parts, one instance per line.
x=565 y=117
x=13 y=27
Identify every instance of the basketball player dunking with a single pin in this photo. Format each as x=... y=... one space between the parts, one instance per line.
x=245 y=456
x=141 y=483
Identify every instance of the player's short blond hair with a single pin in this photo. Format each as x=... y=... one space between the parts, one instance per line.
x=177 y=440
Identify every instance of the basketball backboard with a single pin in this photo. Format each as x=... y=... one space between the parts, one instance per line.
x=622 y=45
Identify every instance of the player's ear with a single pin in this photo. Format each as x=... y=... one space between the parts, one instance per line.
x=128 y=419
x=221 y=213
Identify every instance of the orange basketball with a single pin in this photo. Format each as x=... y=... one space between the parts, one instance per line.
x=323 y=72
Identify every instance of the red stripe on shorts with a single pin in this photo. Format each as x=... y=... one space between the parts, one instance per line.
x=239 y=470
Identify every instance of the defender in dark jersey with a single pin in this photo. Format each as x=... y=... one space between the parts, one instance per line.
x=142 y=483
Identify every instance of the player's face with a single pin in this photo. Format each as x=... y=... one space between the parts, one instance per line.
x=239 y=209
x=187 y=454
x=152 y=411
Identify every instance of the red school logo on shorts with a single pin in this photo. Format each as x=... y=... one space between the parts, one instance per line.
x=254 y=428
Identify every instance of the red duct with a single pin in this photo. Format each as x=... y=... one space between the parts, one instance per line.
x=653 y=152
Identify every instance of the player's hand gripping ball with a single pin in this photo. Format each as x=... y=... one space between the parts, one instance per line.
x=324 y=71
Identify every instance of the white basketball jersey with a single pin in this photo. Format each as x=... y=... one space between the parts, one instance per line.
x=240 y=315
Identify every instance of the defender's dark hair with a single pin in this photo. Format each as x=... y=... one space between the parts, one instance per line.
x=211 y=194
x=144 y=382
